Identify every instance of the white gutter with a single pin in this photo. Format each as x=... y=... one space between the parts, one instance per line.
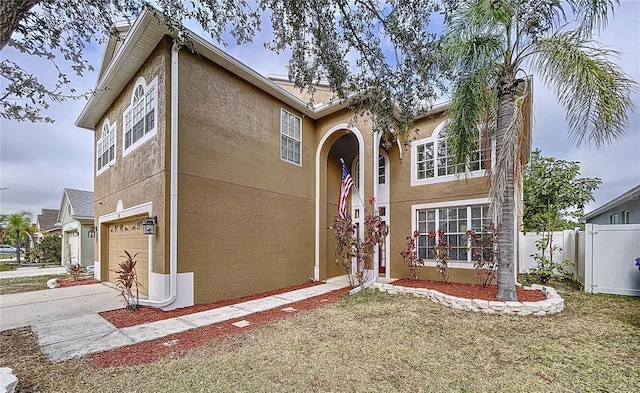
x=374 y=206
x=173 y=203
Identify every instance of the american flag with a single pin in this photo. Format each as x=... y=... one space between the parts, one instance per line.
x=345 y=189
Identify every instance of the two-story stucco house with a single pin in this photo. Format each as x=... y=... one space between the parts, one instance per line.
x=243 y=176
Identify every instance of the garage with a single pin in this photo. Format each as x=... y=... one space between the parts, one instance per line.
x=127 y=235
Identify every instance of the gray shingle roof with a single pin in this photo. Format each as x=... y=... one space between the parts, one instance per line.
x=47 y=220
x=81 y=202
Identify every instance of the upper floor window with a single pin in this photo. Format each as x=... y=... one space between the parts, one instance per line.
x=140 y=118
x=290 y=137
x=432 y=162
x=614 y=219
x=381 y=170
x=106 y=147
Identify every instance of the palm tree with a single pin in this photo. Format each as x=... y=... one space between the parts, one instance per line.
x=18 y=226
x=487 y=44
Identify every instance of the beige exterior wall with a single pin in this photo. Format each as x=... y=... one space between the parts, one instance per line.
x=141 y=176
x=245 y=217
x=403 y=196
x=320 y=95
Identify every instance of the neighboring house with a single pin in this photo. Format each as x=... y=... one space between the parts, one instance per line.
x=243 y=176
x=46 y=224
x=624 y=209
x=75 y=218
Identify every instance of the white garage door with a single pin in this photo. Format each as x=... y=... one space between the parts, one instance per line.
x=127 y=235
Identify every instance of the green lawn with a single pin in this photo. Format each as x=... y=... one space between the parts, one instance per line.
x=26 y=284
x=374 y=342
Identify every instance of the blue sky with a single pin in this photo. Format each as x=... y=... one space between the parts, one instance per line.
x=38 y=160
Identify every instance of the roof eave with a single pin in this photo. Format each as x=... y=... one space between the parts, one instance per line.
x=612 y=203
x=116 y=75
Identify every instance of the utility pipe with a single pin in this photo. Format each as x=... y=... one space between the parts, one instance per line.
x=173 y=204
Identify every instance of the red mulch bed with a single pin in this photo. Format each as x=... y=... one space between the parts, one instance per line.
x=70 y=282
x=470 y=291
x=176 y=344
x=122 y=318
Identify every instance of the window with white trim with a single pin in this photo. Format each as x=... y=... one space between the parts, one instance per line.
x=140 y=118
x=106 y=147
x=614 y=219
x=355 y=174
x=290 y=137
x=455 y=221
x=382 y=179
x=625 y=216
x=431 y=161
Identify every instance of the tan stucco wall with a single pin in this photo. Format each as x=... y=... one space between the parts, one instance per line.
x=140 y=177
x=402 y=196
x=245 y=217
x=320 y=95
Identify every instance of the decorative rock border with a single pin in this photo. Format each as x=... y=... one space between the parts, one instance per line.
x=8 y=381
x=553 y=305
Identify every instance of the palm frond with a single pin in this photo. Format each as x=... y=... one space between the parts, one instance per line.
x=592 y=14
x=472 y=98
x=594 y=91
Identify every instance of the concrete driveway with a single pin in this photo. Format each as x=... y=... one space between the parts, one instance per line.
x=49 y=305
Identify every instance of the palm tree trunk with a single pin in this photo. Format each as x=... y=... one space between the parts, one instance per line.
x=506 y=259
x=18 y=246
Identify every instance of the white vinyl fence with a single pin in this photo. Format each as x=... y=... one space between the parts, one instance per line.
x=610 y=253
x=603 y=256
x=566 y=240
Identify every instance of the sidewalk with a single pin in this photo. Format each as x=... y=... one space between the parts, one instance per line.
x=87 y=332
x=32 y=271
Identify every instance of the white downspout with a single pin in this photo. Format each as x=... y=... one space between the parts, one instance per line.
x=173 y=203
x=374 y=206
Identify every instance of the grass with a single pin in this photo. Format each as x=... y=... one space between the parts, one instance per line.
x=26 y=284
x=375 y=342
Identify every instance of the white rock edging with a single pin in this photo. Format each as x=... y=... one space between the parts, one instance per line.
x=552 y=305
x=8 y=381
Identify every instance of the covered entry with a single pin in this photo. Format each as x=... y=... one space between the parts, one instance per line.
x=127 y=235
x=343 y=141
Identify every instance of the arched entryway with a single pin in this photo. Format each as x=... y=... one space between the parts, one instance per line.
x=340 y=142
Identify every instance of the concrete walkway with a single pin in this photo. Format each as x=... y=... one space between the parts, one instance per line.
x=83 y=332
x=32 y=271
x=58 y=304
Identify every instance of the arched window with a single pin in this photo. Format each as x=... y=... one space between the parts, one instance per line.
x=140 y=117
x=431 y=160
x=106 y=147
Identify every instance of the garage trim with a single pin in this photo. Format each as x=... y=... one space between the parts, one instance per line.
x=119 y=214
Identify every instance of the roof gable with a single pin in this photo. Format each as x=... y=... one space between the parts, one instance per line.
x=47 y=220
x=75 y=205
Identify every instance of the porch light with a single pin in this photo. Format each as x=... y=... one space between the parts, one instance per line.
x=149 y=225
x=92 y=232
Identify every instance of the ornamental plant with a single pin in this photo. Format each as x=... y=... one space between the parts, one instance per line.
x=546 y=267
x=127 y=278
x=348 y=246
x=410 y=256
x=441 y=254
x=75 y=269
x=484 y=247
